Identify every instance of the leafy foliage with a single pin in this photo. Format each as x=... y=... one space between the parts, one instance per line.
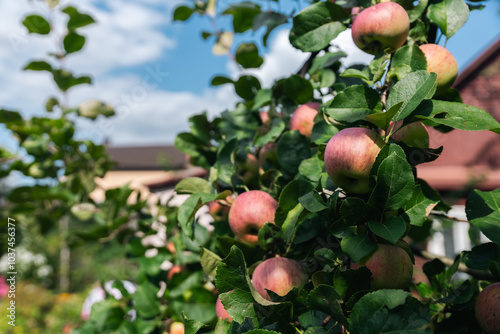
x=254 y=147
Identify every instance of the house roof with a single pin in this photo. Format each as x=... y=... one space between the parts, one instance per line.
x=147 y=157
x=478 y=64
x=470 y=157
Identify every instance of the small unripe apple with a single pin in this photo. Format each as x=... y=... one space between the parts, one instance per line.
x=303 y=118
x=279 y=275
x=177 y=328
x=391 y=267
x=441 y=62
x=487 y=309
x=384 y=26
x=414 y=134
x=349 y=156
x=249 y=213
x=221 y=311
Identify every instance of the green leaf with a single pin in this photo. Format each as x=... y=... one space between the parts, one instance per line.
x=481 y=256
x=292 y=149
x=298 y=89
x=325 y=299
x=51 y=103
x=383 y=119
x=243 y=15
x=36 y=24
x=358 y=246
x=277 y=128
x=77 y=19
x=326 y=60
x=456 y=115
x=270 y=20
x=191 y=326
x=38 y=66
x=313 y=202
x=233 y=285
x=192 y=185
x=354 y=103
x=290 y=211
x=65 y=80
x=312 y=168
x=7 y=116
x=483 y=211
x=411 y=90
x=221 y=80
x=389 y=311
x=448 y=15
x=262 y=98
x=247 y=86
x=146 y=301
x=391 y=230
x=209 y=262
x=407 y=59
x=225 y=161
x=182 y=13
x=350 y=281
x=247 y=55
x=73 y=42
x=395 y=181
x=420 y=204
x=355 y=73
x=316 y=26
x=188 y=209
x=416 y=12
x=356 y=211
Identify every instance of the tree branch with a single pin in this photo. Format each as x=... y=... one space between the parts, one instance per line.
x=479 y=274
x=307 y=65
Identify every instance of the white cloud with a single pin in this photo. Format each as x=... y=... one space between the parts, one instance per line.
x=128 y=33
x=281 y=61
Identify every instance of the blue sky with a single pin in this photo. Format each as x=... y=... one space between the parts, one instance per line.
x=136 y=40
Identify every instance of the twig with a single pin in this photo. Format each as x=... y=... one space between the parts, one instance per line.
x=307 y=65
x=444 y=215
x=479 y=274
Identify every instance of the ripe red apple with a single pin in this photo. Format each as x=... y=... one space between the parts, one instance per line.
x=279 y=275
x=221 y=311
x=441 y=62
x=349 y=156
x=488 y=309
x=383 y=26
x=414 y=134
x=391 y=267
x=303 y=118
x=249 y=212
x=177 y=328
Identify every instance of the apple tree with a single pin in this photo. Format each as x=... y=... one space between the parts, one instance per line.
x=337 y=149
x=312 y=183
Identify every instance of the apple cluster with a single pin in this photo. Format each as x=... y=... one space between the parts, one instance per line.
x=372 y=33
